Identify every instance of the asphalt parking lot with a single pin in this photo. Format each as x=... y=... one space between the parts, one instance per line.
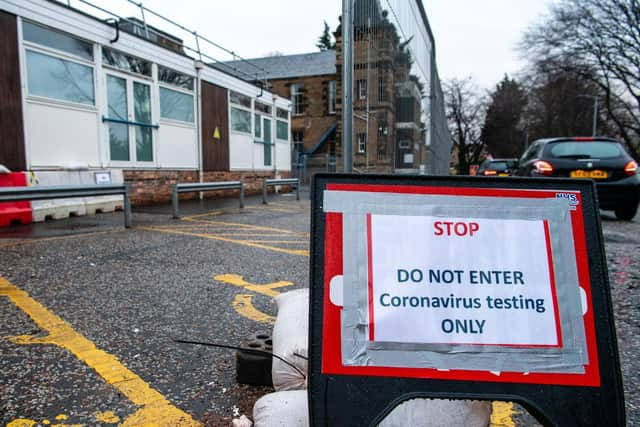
x=89 y=311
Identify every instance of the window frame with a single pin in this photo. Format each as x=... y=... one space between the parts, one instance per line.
x=362 y=143
x=241 y=107
x=130 y=79
x=109 y=67
x=331 y=96
x=297 y=99
x=362 y=89
x=64 y=56
x=183 y=91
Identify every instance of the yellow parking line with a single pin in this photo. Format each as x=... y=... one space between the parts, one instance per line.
x=155 y=409
x=242 y=304
x=266 y=289
x=70 y=236
x=285 y=242
x=300 y=252
x=252 y=227
x=208 y=213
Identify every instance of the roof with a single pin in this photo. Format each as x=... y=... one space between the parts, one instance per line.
x=285 y=66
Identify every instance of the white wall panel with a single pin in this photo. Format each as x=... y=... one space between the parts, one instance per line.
x=283 y=156
x=177 y=146
x=61 y=136
x=240 y=151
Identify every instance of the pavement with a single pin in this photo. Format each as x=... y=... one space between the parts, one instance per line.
x=89 y=311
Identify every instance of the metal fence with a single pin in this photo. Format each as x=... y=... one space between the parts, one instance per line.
x=394 y=118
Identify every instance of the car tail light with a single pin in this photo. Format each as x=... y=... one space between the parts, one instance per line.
x=543 y=168
x=583 y=138
x=489 y=172
x=631 y=168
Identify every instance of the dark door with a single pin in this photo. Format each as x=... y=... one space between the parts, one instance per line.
x=11 y=126
x=215 y=128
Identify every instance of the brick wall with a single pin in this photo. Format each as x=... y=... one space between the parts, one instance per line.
x=149 y=187
x=316 y=119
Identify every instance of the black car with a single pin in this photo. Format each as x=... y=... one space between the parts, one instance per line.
x=497 y=167
x=602 y=159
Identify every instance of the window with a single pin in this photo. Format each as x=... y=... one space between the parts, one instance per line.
x=331 y=97
x=257 y=126
x=35 y=33
x=263 y=108
x=176 y=105
x=383 y=95
x=297 y=99
x=266 y=127
x=297 y=136
x=126 y=62
x=362 y=142
x=57 y=78
x=281 y=113
x=240 y=117
x=282 y=130
x=362 y=89
x=175 y=78
x=240 y=120
x=240 y=99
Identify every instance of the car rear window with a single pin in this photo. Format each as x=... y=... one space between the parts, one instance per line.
x=585 y=149
x=498 y=165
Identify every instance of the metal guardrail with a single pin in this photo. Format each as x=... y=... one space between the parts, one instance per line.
x=204 y=186
x=294 y=182
x=14 y=194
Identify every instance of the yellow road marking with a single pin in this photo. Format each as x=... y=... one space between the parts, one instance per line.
x=107 y=417
x=501 y=414
x=266 y=289
x=252 y=227
x=48 y=239
x=214 y=212
x=242 y=304
x=288 y=242
x=299 y=252
x=155 y=409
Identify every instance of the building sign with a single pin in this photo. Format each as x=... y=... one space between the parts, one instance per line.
x=474 y=285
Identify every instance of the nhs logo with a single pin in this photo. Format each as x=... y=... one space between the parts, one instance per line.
x=572 y=198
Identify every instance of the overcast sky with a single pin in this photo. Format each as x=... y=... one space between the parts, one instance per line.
x=473 y=37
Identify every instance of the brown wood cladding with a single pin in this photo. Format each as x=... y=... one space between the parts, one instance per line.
x=215 y=114
x=11 y=125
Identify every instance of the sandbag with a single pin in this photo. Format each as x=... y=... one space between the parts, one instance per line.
x=439 y=412
x=291 y=341
x=282 y=409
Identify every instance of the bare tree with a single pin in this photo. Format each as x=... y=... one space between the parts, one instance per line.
x=465 y=113
x=602 y=38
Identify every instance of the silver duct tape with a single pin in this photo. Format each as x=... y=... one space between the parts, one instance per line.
x=359 y=351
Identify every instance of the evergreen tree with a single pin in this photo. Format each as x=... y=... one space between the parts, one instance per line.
x=324 y=41
x=503 y=132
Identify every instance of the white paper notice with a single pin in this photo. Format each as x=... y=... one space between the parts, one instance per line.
x=461 y=281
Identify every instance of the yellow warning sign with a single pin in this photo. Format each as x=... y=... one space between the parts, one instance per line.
x=216 y=133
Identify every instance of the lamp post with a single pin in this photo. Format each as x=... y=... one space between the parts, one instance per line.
x=595 y=111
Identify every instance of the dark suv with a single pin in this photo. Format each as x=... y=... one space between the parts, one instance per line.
x=602 y=159
x=497 y=167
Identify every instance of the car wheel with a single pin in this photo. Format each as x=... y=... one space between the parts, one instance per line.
x=626 y=213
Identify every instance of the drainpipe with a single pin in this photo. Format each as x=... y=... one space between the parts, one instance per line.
x=199 y=65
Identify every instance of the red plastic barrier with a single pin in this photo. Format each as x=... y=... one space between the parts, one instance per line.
x=14 y=212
